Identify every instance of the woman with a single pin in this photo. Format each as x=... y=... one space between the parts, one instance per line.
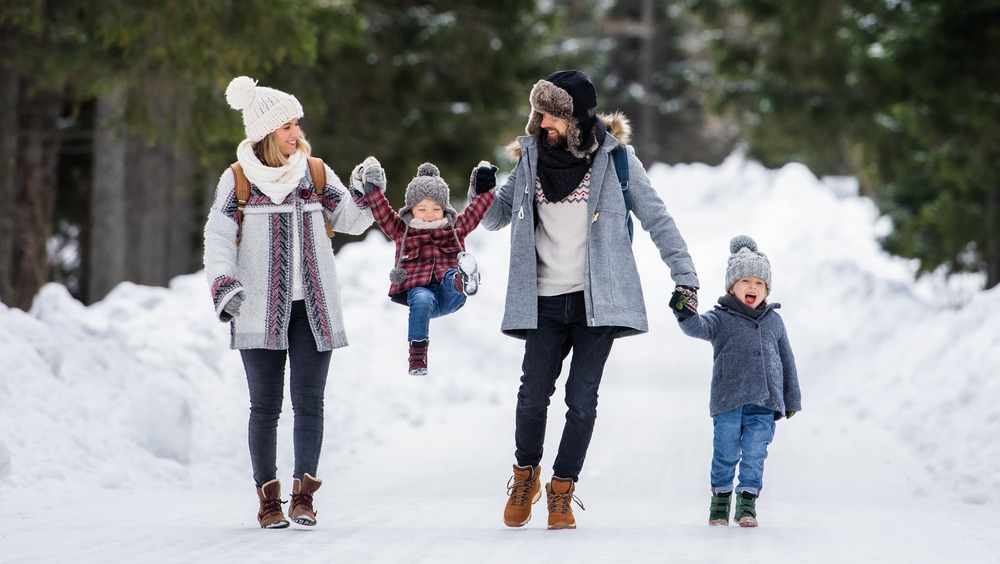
x=273 y=279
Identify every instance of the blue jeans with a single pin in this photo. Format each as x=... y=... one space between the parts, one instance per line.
x=265 y=371
x=430 y=301
x=562 y=326
x=741 y=437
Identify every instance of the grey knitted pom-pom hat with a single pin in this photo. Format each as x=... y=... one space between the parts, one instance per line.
x=745 y=260
x=428 y=184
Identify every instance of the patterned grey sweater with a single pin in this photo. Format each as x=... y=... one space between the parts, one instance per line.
x=261 y=267
x=753 y=361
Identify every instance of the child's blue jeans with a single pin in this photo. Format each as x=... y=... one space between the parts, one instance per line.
x=430 y=301
x=741 y=437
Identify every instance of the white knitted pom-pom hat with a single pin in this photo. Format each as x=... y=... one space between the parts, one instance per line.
x=264 y=109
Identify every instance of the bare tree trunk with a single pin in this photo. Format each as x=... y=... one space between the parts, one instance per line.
x=106 y=254
x=8 y=160
x=182 y=219
x=35 y=191
x=992 y=251
x=647 y=110
x=146 y=199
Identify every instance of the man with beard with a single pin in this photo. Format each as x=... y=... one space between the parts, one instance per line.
x=573 y=282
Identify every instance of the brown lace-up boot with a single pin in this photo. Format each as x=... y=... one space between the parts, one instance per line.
x=270 y=515
x=418 y=358
x=301 y=510
x=560 y=495
x=524 y=489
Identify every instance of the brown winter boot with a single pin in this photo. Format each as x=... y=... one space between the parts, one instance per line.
x=418 y=358
x=270 y=515
x=560 y=495
x=524 y=490
x=301 y=510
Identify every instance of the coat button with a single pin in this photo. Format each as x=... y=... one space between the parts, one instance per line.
x=756 y=353
x=756 y=326
x=304 y=194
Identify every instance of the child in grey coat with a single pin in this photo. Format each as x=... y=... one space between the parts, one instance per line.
x=754 y=381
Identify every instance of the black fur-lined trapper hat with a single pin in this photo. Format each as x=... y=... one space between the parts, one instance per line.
x=568 y=95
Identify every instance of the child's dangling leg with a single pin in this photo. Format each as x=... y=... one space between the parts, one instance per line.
x=418 y=358
x=422 y=302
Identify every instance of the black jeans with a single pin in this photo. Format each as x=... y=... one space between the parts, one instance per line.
x=562 y=326
x=307 y=383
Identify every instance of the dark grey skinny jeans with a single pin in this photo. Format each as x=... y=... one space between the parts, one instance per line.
x=562 y=327
x=265 y=371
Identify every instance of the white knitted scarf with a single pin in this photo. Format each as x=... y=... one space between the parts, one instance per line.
x=275 y=182
x=418 y=223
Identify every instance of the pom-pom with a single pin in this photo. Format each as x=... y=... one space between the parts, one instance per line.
x=241 y=92
x=428 y=169
x=397 y=276
x=742 y=241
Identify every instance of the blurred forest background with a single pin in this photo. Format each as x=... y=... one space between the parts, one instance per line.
x=114 y=127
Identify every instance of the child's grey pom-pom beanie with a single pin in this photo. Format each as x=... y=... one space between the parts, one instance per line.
x=745 y=260
x=428 y=184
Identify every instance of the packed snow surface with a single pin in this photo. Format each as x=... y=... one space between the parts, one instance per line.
x=123 y=424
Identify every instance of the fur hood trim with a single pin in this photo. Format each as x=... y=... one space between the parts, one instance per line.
x=617 y=123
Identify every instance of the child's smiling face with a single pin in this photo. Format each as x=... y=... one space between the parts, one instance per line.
x=750 y=290
x=427 y=210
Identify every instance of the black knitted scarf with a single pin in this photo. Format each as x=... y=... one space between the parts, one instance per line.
x=558 y=170
x=734 y=303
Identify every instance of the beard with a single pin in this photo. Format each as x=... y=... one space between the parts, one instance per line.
x=559 y=143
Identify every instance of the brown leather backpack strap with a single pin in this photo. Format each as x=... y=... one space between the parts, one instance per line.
x=242 y=195
x=318 y=172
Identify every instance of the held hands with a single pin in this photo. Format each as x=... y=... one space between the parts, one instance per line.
x=484 y=177
x=373 y=175
x=684 y=302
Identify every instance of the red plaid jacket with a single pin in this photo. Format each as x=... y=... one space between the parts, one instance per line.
x=425 y=254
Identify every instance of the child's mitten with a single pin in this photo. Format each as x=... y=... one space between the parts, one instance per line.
x=684 y=302
x=484 y=177
x=789 y=414
x=374 y=175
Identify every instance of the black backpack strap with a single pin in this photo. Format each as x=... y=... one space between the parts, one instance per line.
x=619 y=155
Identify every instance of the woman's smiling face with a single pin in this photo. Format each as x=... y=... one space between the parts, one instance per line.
x=287 y=137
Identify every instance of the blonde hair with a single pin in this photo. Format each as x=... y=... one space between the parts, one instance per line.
x=268 y=153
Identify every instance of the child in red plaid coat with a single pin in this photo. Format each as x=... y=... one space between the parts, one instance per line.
x=433 y=273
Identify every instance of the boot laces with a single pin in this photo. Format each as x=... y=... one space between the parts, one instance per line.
x=269 y=506
x=561 y=502
x=518 y=489
x=302 y=499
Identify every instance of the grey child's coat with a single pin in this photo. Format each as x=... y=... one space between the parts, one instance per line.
x=753 y=361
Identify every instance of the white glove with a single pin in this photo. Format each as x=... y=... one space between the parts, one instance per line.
x=232 y=309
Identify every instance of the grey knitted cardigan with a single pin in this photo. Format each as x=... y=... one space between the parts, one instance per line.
x=753 y=361
x=612 y=291
x=261 y=267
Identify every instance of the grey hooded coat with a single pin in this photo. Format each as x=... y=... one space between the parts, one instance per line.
x=612 y=290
